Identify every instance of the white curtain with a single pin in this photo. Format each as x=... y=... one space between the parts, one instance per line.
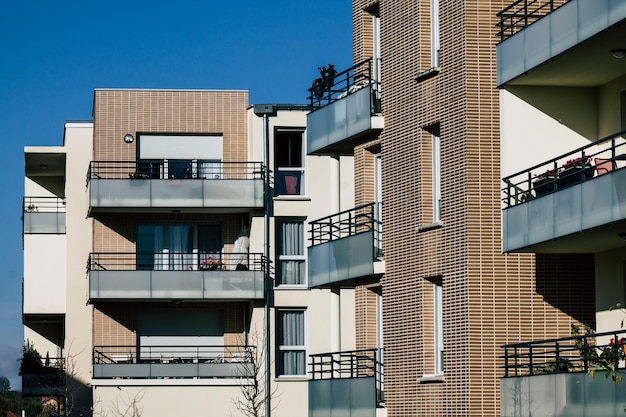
x=160 y=252
x=292 y=344
x=181 y=257
x=292 y=253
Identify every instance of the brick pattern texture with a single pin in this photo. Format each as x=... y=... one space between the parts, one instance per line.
x=489 y=298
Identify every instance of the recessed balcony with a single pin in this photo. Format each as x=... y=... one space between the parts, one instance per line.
x=346 y=383
x=346 y=248
x=167 y=185
x=571 y=376
x=548 y=43
x=180 y=362
x=575 y=203
x=43 y=215
x=346 y=106
x=175 y=276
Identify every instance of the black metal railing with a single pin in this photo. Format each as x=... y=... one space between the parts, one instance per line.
x=360 y=363
x=347 y=223
x=328 y=89
x=133 y=354
x=582 y=164
x=174 y=169
x=142 y=261
x=43 y=205
x=604 y=352
x=521 y=13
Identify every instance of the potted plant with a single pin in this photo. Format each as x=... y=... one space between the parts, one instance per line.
x=211 y=264
x=544 y=183
x=328 y=75
x=318 y=88
x=575 y=170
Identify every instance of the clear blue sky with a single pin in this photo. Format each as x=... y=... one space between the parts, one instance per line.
x=54 y=53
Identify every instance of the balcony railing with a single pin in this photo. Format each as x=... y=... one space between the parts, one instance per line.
x=521 y=13
x=43 y=215
x=326 y=91
x=364 y=218
x=44 y=378
x=148 y=362
x=580 y=165
x=174 y=169
x=345 y=247
x=175 y=276
x=161 y=261
x=602 y=352
x=359 y=372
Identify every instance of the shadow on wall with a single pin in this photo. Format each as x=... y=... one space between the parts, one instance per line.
x=567 y=282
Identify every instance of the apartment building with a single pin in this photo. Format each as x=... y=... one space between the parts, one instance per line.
x=562 y=78
x=165 y=267
x=420 y=112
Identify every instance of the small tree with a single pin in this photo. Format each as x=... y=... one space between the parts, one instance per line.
x=253 y=389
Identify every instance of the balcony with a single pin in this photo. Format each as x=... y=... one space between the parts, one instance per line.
x=175 y=276
x=180 y=362
x=346 y=248
x=44 y=379
x=550 y=43
x=574 y=376
x=43 y=215
x=346 y=383
x=160 y=186
x=575 y=203
x=346 y=106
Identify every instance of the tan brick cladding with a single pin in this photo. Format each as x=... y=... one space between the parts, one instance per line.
x=115 y=324
x=118 y=112
x=489 y=298
x=114 y=233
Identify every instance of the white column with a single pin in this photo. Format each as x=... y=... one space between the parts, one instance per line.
x=335 y=297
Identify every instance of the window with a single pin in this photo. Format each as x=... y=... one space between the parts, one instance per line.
x=436 y=177
x=291 y=269
x=179 y=156
x=288 y=162
x=177 y=247
x=434 y=41
x=291 y=355
x=438 y=322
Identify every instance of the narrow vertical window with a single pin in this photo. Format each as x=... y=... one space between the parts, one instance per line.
x=438 y=322
x=436 y=177
x=378 y=200
x=291 y=355
x=434 y=41
x=291 y=265
x=288 y=162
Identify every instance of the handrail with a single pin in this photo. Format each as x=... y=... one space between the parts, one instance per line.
x=325 y=91
x=141 y=261
x=345 y=223
x=133 y=354
x=361 y=363
x=43 y=205
x=161 y=169
x=576 y=166
x=568 y=354
x=522 y=13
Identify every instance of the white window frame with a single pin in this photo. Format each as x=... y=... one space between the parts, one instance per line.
x=434 y=30
x=300 y=258
x=291 y=348
x=300 y=169
x=436 y=173
x=438 y=325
